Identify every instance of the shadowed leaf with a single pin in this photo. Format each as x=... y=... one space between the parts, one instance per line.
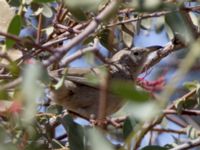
x=14 y=28
x=75 y=133
x=154 y=147
x=128 y=91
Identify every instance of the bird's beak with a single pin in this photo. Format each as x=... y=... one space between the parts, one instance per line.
x=151 y=49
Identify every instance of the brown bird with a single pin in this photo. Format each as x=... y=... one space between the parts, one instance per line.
x=78 y=95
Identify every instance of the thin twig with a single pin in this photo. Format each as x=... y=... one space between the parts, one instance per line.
x=155 y=14
x=21 y=41
x=158 y=120
x=161 y=130
x=88 y=30
x=183 y=112
x=39 y=29
x=168 y=49
x=103 y=95
x=11 y=84
x=77 y=55
x=188 y=145
x=176 y=121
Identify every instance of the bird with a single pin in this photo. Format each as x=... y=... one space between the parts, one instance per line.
x=81 y=97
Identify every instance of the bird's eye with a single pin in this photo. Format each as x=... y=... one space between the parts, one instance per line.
x=136 y=53
x=71 y=93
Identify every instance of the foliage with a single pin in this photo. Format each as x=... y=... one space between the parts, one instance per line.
x=57 y=33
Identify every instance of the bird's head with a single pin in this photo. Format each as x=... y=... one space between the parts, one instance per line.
x=132 y=60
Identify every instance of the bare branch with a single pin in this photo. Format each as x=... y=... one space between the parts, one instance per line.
x=188 y=145
x=88 y=30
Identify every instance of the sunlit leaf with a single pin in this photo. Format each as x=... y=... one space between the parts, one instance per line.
x=14 y=28
x=146 y=24
x=145 y=4
x=192 y=132
x=86 y=5
x=128 y=34
x=159 y=26
x=6 y=15
x=151 y=4
x=48 y=30
x=61 y=81
x=191 y=85
x=14 y=54
x=169 y=31
x=47 y=11
x=28 y=2
x=38 y=11
x=194 y=18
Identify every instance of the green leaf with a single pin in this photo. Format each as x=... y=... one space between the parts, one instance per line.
x=14 y=3
x=86 y=5
x=159 y=26
x=6 y=15
x=93 y=78
x=192 y=132
x=128 y=91
x=104 y=37
x=75 y=133
x=88 y=40
x=145 y=5
x=14 y=69
x=75 y=10
x=60 y=83
x=47 y=11
x=136 y=110
x=169 y=31
x=31 y=90
x=128 y=31
x=55 y=109
x=181 y=29
x=154 y=147
x=179 y=105
x=98 y=141
x=14 y=28
x=44 y=1
x=4 y=95
x=128 y=127
x=146 y=24
x=191 y=85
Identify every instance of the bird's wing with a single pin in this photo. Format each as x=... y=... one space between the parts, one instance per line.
x=82 y=81
x=80 y=72
x=77 y=75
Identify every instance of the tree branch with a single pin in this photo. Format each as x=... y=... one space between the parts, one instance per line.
x=112 y=6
